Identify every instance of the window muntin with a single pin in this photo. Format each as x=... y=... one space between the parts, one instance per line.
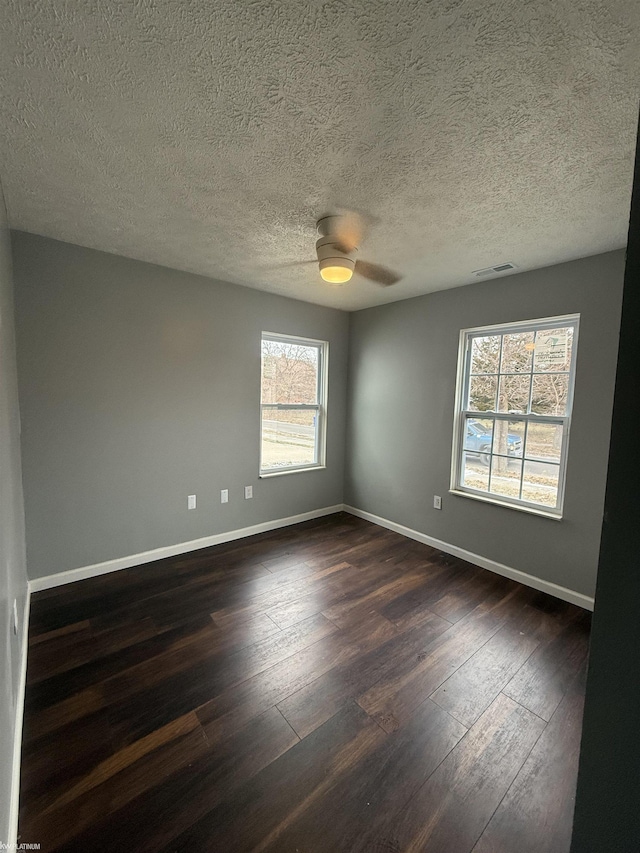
x=513 y=413
x=293 y=404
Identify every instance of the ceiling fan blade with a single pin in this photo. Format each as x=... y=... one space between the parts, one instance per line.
x=375 y=272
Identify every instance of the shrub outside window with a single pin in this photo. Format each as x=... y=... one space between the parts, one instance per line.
x=513 y=413
x=293 y=404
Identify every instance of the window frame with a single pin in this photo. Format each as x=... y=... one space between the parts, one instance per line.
x=320 y=406
x=461 y=415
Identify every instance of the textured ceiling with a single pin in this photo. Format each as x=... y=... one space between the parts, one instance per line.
x=210 y=135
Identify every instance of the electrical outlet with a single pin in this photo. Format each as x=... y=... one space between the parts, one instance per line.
x=437 y=502
x=191 y=502
x=224 y=496
x=248 y=492
x=15 y=616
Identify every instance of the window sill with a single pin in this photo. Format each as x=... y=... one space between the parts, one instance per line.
x=497 y=502
x=268 y=474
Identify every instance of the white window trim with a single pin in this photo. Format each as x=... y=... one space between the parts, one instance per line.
x=320 y=407
x=460 y=415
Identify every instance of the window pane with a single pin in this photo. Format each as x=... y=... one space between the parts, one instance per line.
x=289 y=372
x=553 y=349
x=549 y=394
x=475 y=474
x=482 y=393
x=544 y=441
x=517 y=352
x=485 y=354
x=513 y=373
x=288 y=438
x=508 y=438
x=505 y=476
x=540 y=483
x=514 y=393
x=478 y=437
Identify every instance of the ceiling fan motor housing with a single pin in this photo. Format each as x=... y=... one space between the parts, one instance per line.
x=330 y=253
x=337 y=248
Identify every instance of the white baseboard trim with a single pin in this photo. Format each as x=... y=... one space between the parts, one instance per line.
x=84 y=572
x=506 y=571
x=14 y=802
x=50 y=581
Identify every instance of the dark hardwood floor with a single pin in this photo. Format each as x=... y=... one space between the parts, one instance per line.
x=327 y=687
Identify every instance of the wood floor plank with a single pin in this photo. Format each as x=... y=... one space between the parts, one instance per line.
x=314 y=703
x=223 y=715
x=118 y=779
x=49 y=691
x=136 y=710
x=65 y=650
x=68 y=710
x=375 y=789
x=290 y=612
x=72 y=650
x=127 y=756
x=450 y=811
x=191 y=648
x=458 y=599
x=367 y=545
x=476 y=684
x=544 y=679
x=145 y=776
x=63 y=755
x=115 y=599
x=159 y=797
x=186 y=652
x=537 y=813
x=272 y=694
x=368 y=631
x=392 y=700
x=74 y=627
x=285 y=592
x=405 y=609
x=345 y=610
x=169 y=609
x=262 y=809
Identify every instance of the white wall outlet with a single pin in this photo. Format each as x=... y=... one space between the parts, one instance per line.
x=248 y=492
x=191 y=502
x=437 y=502
x=224 y=496
x=15 y=616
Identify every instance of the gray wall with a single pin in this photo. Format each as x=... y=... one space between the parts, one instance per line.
x=139 y=386
x=402 y=377
x=13 y=576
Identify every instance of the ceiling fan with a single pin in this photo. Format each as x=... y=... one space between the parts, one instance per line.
x=337 y=247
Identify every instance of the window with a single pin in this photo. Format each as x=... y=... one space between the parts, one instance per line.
x=293 y=404
x=513 y=413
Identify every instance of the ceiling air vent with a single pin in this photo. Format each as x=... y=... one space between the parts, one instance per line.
x=491 y=270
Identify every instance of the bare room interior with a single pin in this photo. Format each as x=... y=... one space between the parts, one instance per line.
x=318 y=359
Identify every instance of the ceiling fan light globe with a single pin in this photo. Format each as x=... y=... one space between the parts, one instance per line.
x=336 y=275
x=336 y=270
